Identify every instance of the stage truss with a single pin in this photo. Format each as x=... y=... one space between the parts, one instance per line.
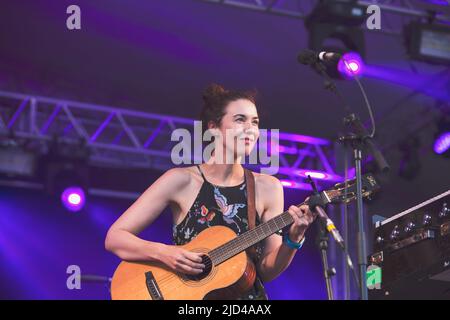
x=132 y=139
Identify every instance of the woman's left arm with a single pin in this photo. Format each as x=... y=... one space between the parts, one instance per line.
x=277 y=255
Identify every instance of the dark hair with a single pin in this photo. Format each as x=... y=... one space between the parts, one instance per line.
x=215 y=100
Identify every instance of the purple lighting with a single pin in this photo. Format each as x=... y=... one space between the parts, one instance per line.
x=296 y=185
x=351 y=64
x=438 y=2
x=73 y=198
x=302 y=139
x=442 y=143
x=315 y=175
x=304 y=173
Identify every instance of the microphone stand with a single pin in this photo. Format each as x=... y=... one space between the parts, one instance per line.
x=327 y=225
x=322 y=242
x=356 y=143
x=358 y=140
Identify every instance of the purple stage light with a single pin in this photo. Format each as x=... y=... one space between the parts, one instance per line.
x=296 y=185
x=292 y=137
x=304 y=173
x=351 y=64
x=316 y=175
x=73 y=198
x=438 y=2
x=442 y=143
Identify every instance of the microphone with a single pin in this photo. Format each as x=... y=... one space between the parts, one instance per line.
x=329 y=225
x=94 y=278
x=309 y=57
x=314 y=205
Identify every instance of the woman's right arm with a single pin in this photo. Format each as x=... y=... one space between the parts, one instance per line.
x=122 y=238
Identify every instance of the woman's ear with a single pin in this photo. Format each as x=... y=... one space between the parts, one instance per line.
x=213 y=129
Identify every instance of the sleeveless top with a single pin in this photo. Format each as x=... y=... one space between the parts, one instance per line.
x=216 y=205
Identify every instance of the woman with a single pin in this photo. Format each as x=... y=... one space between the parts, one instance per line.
x=213 y=193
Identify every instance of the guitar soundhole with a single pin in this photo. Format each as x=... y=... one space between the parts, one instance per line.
x=208 y=267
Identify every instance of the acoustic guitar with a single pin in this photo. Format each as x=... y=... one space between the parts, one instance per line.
x=229 y=271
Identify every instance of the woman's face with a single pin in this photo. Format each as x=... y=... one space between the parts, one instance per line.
x=240 y=127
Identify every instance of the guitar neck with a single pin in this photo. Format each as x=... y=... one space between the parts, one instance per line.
x=250 y=238
x=342 y=192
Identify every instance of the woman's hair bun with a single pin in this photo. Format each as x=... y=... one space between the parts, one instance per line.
x=215 y=100
x=214 y=92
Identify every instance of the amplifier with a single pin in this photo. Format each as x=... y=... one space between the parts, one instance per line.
x=412 y=249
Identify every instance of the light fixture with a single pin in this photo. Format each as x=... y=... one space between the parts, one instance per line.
x=442 y=137
x=351 y=64
x=65 y=171
x=334 y=26
x=73 y=198
x=428 y=42
x=15 y=160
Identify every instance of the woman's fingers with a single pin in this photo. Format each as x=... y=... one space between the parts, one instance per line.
x=189 y=270
x=295 y=211
x=194 y=256
x=310 y=216
x=296 y=214
x=184 y=265
x=302 y=215
x=191 y=262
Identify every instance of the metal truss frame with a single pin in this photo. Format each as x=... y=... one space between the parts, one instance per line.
x=132 y=139
x=395 y=13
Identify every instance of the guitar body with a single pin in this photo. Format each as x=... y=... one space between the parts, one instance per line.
x=147 y=281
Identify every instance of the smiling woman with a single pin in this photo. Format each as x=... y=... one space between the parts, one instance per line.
x=213 y=205
x=232 y=119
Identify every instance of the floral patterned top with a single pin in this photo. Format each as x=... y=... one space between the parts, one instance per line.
x=216 y=205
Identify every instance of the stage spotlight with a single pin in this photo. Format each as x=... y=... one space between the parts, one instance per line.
x=73 y=198
x=69 y=181
x=442 y=138
x=351 y=64
x=334 y=26
x=442 y=143
x=427 y=42
x=66 y=173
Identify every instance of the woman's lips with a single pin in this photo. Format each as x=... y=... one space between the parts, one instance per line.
x=247 y=140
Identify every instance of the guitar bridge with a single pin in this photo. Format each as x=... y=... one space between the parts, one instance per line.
x=152 y=287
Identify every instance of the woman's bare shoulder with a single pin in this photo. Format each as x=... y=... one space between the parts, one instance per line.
x=180 y=176
x=270 y=191
x=267 y=182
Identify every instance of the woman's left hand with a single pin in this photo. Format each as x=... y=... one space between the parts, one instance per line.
x=303 y=217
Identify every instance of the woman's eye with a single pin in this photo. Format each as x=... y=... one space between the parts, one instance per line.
x=239 y=120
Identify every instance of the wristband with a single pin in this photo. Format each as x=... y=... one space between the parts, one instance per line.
x=291 y=244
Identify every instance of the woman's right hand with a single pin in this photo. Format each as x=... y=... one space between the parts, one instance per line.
x=182 y=260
